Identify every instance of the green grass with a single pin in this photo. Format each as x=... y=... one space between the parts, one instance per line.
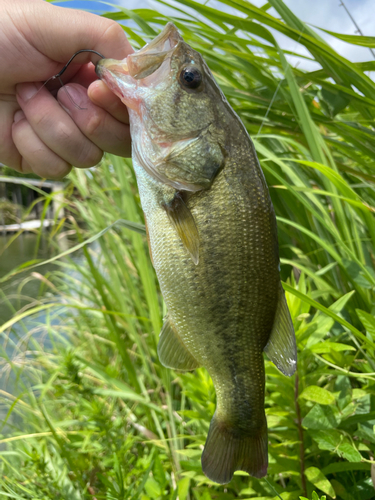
x=94 y=414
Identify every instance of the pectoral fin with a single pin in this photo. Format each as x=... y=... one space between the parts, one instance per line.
x=184 y=223
x=172 y=351
x=281 y=347
x=193 y=162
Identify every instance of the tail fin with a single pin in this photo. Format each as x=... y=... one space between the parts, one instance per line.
x=228 y=450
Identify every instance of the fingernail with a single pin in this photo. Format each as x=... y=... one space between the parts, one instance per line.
x=26 y=91
x=69 y=96
x=18 y=115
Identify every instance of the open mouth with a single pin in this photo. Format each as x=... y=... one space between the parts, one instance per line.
x=148 y=59
x=145 y=61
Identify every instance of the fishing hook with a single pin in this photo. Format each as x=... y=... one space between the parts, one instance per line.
x=58 y=75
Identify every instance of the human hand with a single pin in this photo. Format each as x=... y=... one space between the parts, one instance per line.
x=37 y=133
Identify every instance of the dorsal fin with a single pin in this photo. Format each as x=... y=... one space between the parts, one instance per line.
x=184 y=223
x=281 y=347
x=172 y=351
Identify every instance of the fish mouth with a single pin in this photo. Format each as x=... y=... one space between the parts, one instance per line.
x=145 y=61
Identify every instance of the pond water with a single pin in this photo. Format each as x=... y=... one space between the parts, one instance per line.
x=21 y=290
x=16 y=292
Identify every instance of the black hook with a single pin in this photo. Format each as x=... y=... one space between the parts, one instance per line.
x=71 y=59
x=58 y=75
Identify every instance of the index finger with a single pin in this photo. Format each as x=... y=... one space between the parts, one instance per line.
x=103 y=97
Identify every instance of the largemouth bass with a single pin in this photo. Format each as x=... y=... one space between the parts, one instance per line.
x=213 y=241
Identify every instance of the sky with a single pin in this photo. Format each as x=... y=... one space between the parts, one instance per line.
x=326 y=14
x=329 y=15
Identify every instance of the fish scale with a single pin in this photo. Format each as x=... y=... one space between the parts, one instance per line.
x=213 y=241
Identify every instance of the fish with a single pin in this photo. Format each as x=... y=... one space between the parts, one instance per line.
x=212 y=235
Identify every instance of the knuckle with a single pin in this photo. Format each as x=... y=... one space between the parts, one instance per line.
x=89 y=157
x=88 y=154
x=42 y=121
x=93 y=125
x=113 y=32
x=64 y=133
x=66 y=137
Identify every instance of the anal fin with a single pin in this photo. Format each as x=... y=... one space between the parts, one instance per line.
x=172 y=351
x=281 y=347
x=184 y=223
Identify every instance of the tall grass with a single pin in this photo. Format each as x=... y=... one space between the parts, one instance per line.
x=94 y=414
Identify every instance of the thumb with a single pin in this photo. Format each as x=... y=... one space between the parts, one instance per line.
x=59 y=32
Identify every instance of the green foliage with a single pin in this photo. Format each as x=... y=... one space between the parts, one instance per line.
x=9 y=212
x=92 y=413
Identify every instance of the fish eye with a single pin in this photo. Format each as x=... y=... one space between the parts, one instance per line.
x=191 y=77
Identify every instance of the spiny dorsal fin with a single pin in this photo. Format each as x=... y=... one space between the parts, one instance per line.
x=172 y=351
x=184 y=223
x=281 y=347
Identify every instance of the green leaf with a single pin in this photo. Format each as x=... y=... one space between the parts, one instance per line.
x=311 y=133
x=362 y=417
x=349 y=452
x=344 y=387
x=318 y=479
x=356 y=272
x=326 y=347
x=326 y=440
x=316 y=497
x=316 y=304
x=364 y=41
x=317 y=395
x=158 y=472
x=368 y=321
x=121 y=389
x=152 y=488
x=345 y=466
x=336 y=101
x=339 y=305
x=366 y=433
x=183 y=488
x=190 y=453
x=320 y=418
x=359 y=393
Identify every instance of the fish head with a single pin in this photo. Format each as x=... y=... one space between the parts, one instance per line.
x=174 y=106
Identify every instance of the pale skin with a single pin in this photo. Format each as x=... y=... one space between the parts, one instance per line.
x=44 y=132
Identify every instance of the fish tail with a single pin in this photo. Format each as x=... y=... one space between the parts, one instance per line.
x=227 y=449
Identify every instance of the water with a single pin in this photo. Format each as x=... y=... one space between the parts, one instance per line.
x=17 y=292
